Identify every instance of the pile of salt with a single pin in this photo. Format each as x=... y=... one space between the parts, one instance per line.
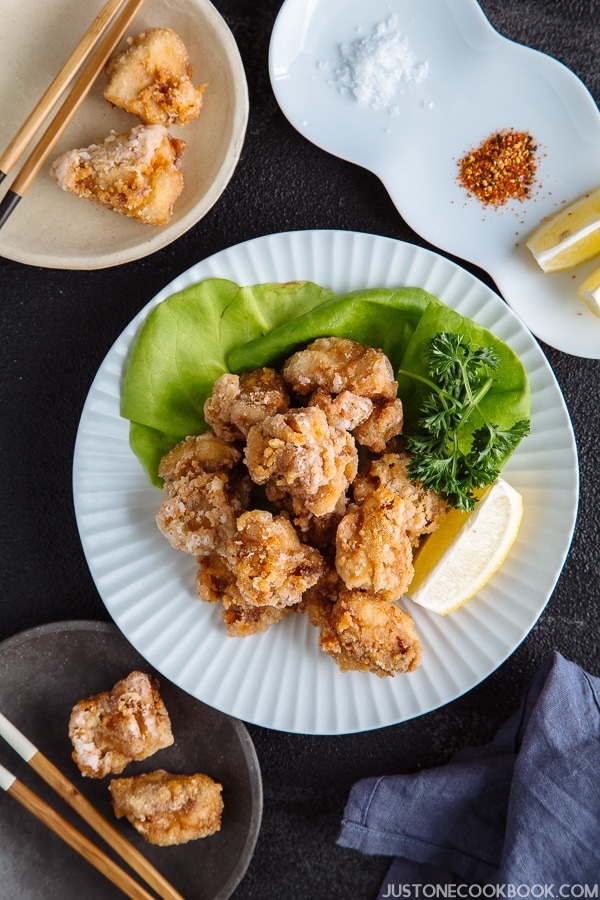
x=375 y=67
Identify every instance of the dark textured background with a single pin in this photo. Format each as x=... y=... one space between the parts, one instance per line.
x=57 y=327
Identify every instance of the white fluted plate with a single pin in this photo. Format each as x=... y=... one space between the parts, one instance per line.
x=280 y=679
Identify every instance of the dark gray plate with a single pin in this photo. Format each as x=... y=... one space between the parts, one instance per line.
x=43 y=672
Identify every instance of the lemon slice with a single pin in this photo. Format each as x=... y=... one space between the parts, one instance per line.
x=570 y=236
x=454 y=563
x=589 y=290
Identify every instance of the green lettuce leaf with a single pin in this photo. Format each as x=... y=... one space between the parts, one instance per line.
x=193 y=337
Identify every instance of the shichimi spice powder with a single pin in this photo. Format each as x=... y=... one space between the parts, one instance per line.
x=502 y=168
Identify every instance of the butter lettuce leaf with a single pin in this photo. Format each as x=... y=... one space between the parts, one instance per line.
x=216 y=326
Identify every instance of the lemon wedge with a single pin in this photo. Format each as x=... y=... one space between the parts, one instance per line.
x=589 y=291
x=569 y=237
x=453 y=563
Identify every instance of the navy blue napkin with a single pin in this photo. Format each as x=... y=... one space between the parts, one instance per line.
x=523 y=810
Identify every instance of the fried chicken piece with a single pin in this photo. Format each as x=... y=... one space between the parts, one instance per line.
x=269 y=564
x=151 y=78
x=137 y=174
x=318 y=600
x=299 y=455
x=345 y=411
x=200 y=514
x=338 y=364
x=243 y=620
x=238 y=402
x=169 y=809
x=207 y=489
x=367 y=634
x=116 y=727
x=373 y=551
x=215 y=582
x=384 y=423
x=197 y=455
x=425 y=509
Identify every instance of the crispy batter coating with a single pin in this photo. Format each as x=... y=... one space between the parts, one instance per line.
x=367 y=634
x=346 y=410
x=338 y=364
x=151 y=78
x=425 y=510
x=169 y=809
x=384 y=423
x=197 y=455
x=137 y=174
x=299 y=455
x=373 y=551
x=207 y=489
x=116 y=727
x=270 y=566
x=238 y=402
x=242 y=619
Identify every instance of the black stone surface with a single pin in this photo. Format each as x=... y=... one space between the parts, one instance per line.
x=56 y=328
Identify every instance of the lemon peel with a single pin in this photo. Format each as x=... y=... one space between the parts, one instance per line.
x=570 y=236
x=457 y=560
x=589 y=291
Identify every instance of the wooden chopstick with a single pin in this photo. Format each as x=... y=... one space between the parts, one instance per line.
x=63 y=117
x=55 y=89
x=42 y=811
x=65 y=789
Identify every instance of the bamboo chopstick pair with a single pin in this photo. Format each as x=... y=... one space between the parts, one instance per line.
x=46 y=814
x=96 y=62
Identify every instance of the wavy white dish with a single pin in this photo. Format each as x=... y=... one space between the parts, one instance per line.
x=280 y=679
x=478 y=82
x=56 y=229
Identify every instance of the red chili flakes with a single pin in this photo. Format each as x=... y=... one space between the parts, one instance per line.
x=502 y=168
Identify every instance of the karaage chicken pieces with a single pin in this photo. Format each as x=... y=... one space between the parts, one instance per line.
x=338 y=364
x=373 y=551
x=207 y=489
x=151 y=78
x=169 y=809
x=136 y=173
x=116 y=727
x=340 y=543
x=238 y=402
x=425 y=510
x=299 y=455
x=269 y=564
x=366 y=634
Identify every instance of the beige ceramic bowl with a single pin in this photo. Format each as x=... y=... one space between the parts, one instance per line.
x=52 y=228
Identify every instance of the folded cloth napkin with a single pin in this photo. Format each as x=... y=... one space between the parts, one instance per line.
x=523 y=810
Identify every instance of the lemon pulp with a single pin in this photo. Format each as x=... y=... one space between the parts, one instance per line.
x=570 y=236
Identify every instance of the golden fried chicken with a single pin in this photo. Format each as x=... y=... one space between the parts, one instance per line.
x=207 y=489
x=197 y=455
x=242 y=619
x=116 y=727
x=137 y=174
x=338 y=364
x=345 y=410
x=169 y=809
x=384 y=423
x=425 y=509
x=367 y=634
x=151 y=78
x=238 y=402
x=300 y=456
x=269 y=564
x=373 y=551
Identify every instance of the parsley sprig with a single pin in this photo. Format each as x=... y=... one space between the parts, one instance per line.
x=460 y=377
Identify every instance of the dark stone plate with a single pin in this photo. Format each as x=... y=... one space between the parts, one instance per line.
x=43 y=672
